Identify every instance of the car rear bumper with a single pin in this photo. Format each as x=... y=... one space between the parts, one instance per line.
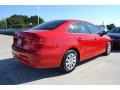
x=36 y=59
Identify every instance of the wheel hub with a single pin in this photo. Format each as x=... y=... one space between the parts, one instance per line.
x=71 y=61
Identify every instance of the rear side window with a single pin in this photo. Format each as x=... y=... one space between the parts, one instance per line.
x=79 y=27
x=71 y=29
x=94 y=29
x=49 y=25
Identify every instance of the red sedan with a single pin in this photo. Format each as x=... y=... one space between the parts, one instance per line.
x=60 y=43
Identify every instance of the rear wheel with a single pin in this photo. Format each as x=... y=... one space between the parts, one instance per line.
x=108 y=49
x=69 y=61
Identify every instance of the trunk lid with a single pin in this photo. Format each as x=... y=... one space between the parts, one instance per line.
x=29 y=40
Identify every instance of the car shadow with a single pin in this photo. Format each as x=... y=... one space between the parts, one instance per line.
x=14 y=72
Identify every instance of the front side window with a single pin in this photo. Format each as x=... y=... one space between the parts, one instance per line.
x=94 y=29
x=49 y=25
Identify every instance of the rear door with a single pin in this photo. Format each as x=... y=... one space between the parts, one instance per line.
x=86 y=41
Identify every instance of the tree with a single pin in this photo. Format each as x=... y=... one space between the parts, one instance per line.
x=110 y=26
x=34 y=20
x=16 y=21
x=2 y=24
x=21 y=21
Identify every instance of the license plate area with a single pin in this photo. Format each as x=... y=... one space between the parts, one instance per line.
x=19 y=42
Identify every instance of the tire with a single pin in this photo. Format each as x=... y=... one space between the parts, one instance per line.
x=108 y=49
x=69 y=61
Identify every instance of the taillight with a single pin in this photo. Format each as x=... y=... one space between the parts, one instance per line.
x=33 y=43
x=28 y=41
x=15 y=38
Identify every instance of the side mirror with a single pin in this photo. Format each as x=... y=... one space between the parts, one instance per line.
x=102 y=33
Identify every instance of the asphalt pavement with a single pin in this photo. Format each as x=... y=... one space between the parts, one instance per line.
x=101 y=70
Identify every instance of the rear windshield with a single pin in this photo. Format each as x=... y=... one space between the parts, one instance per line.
x=49 y=25
x=115 y=30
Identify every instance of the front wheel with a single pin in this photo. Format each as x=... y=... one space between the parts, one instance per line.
x=108 y=49
x=69 y=61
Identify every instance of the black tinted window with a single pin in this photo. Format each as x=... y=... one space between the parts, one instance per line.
x=94 y=29
x=115 y=30
x=49 y=25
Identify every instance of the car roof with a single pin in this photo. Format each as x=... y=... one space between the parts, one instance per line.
x=73 y=20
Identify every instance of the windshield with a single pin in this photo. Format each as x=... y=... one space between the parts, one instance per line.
x=115 y=30
x=49 y=25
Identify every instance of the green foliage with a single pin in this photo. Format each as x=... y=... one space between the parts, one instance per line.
x=110 y=26
x=2 y=24
x=34 y=20
x=21 y=21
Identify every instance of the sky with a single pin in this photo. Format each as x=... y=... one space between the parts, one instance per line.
x=93 y=13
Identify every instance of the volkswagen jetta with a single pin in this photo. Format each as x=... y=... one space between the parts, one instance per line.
x=60 y=43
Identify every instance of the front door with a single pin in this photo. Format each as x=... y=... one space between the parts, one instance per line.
x=100 y=41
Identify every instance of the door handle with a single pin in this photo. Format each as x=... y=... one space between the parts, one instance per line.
x=79 y=39
x=95 y=38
